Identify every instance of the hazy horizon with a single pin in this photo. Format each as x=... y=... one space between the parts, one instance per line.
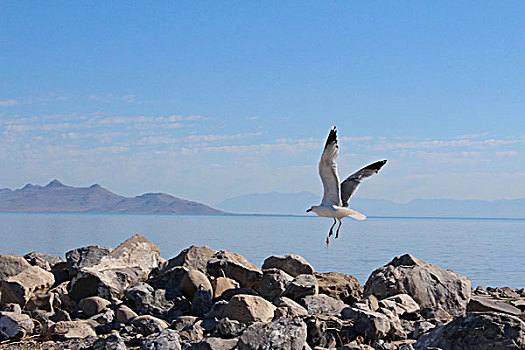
x=210 y=101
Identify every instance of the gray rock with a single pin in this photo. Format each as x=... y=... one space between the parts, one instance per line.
x=201 y=302
x=427 y=284
x=41 y=300
x=293 y=309
x=169 y=280
x=124 y=314
x=91 y=306
x=217 y=310
x=112 y=342
x=20 y=288
x=128 y=264
x=183 y=322
x=292 y=264
x=301 y=286
x=230 y=293
x=71 y=329
x=147 y=324
x=283 y=334
x=15 y=325
x=42 y=260
x=166 y=340
x=222 y=284
x=478 y=331
x=422 y=327
x=231 y=265
x=191 y=281
x=371 y=324
x=323 y=304
x=193 y=258
x=399 y=304
x=214 y=343
x=480 y=304
x=145 y=300
x=85 y=257
x=436 y=315
x=11 y=265
x=229 y=328
x=249 y=308
x=273 y=283
x=10 y=308
x=104 y=317
x=339 y=286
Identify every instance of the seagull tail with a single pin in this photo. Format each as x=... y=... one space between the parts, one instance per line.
x=355 y=215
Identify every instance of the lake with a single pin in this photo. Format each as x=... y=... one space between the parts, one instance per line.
x=490 y=252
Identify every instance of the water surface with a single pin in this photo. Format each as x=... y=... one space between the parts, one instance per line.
x=488 y=252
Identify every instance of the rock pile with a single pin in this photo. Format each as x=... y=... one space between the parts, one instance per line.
x=130 y=298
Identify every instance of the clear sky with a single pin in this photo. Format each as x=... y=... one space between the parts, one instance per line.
x=210 y=100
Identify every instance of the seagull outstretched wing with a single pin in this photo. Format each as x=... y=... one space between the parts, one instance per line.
x=328 y=171
x=350 y=185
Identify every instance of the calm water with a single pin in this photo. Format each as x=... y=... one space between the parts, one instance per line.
x=488 y=252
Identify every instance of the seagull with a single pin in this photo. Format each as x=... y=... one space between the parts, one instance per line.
x=336 y=196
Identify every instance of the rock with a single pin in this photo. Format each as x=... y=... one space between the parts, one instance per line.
x=293 y=309
x=11 y=265
x=273 y=283
x=71 y=329
x=112 y=342
x=479 y=304
x=217 y=310
x=249 y=308
x=222 y=284
x=230 y=293
x=397 y=331
x=60 y=271
x=400 y=304
x=427 y=284
x=283 y=334
x=42 y=260
x=183 y=322
x=229 y=328
x=169 y=280
x=214 y=343
x=130 y=263
x=124 y=314
x=372 y=302
x=15 y=325
x=339 y=286
x=301 y=286
x=166 y=340
x=201 y=303
x=422 y=327
x=235 y=266
x=436 y=315
x=371 y=324
x=293 y=264
x=193 y=258
x=145 y=300
x=85 y=257
x=93 y=305
x=10 y=308
x=476 y=331
x=21 y=287
x=323 y=304
x=42 y=301
x=147 y=324
x=191 y=281
x=104 y=317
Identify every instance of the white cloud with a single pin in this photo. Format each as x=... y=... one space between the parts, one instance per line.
x=7 y=103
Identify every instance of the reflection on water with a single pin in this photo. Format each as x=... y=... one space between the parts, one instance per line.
x=488 y=252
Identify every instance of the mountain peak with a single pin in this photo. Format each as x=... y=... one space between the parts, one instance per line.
x=55 y=183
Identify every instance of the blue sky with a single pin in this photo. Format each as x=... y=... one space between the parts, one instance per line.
x=210 y=100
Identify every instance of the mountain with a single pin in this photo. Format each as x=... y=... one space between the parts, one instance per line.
x=56 y=197
x=297 y=203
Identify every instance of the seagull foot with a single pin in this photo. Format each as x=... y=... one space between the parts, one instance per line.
x=327 y=241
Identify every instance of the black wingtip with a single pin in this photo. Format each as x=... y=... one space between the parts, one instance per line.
x=332 y=136
x=377 y=165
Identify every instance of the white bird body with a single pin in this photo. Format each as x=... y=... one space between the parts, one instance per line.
x=336 y=195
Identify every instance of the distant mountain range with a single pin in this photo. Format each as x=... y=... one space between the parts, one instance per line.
x=297 y=203
x=56 y=197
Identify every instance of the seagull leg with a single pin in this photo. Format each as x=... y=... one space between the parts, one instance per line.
x=331 y=229
x=338 y=227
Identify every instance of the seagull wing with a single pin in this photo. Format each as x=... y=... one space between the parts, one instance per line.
x=350 y=185
x=328 y=171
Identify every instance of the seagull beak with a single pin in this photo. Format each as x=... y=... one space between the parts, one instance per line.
x=308 y=210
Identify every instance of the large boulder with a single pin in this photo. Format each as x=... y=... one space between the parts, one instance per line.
x=249 y=308
x=191 y=281
x=427 y=284
x=371 y=324
x=235 y=266
x=478 y=331
x=11 y=265
x=480 y=304
x=147 y=324
x=323 y=304
x=20 y=288
x=45 y=261
x=301 y=286
x=71 y=330
x=16 y=325
x=283 y=334
x=288 y=308
x=85 y=257
x=93 y=305
x=292 y=264
x=222 y=284
x=193 y=258
x=399 y=304
x=145 y=300
x=129 y=263
x=273 y=283
x=168 y=339
x=340 y=286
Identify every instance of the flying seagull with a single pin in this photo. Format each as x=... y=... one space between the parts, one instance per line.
x=336 y=196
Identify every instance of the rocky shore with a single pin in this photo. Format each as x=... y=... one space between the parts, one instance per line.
x=202 y=299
